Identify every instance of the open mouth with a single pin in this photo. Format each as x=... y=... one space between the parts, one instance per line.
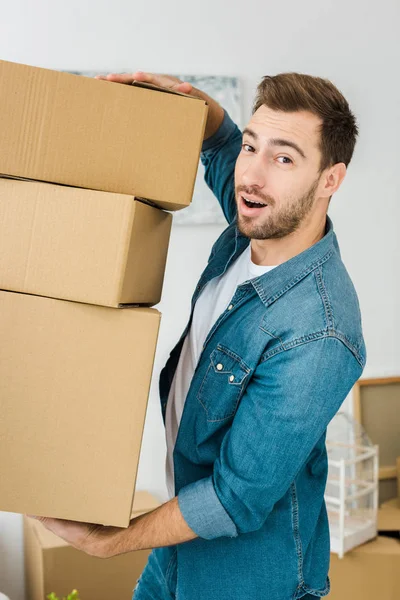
x=253 y=203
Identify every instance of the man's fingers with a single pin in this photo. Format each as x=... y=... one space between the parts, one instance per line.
x=165 y=81
x=126 y=77
x=184 y=87
x=117 y=77
x=146 y=77
x=120 y=77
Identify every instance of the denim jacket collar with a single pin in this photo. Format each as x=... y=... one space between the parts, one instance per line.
x=279 y=280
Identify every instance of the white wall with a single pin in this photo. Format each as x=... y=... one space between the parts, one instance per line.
x=352 y=43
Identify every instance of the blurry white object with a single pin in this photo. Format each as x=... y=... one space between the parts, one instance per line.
x=4 y=597
x=351 y=493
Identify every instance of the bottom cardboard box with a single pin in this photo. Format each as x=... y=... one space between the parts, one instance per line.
x=52 y=565
x=389 y=516
x=369 y=572
x=74 y=384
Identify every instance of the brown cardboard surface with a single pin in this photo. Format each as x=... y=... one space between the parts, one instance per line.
x=74 y=383
x=82 y=245
x=96 y=134
x=387 y=490
x=389 y=516
x=369 y=572
x=398 y=476
x=52 y=565
x=378 y=412
x=384 y=401
x=143 y=502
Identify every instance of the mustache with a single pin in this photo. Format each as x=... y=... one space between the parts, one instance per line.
x=248 y=191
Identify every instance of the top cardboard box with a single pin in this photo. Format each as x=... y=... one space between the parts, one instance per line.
x=83 y=132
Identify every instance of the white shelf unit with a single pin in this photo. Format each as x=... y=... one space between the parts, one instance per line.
x=351 y=493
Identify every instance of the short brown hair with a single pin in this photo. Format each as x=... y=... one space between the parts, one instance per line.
x=290 y=92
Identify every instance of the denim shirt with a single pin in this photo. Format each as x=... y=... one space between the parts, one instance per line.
x=250 y=459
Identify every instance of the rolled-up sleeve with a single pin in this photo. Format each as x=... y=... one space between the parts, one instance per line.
x=218 y=156
x=212 y=520
x=282 y=415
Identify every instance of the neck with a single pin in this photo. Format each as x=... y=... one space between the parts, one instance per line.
x=274 y=252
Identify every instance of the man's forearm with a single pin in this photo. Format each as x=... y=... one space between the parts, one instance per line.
x=164 y=526
x=215 y=113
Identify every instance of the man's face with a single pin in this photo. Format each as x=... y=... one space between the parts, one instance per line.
x=278 y=167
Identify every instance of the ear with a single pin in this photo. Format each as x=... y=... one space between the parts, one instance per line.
x=332 y=179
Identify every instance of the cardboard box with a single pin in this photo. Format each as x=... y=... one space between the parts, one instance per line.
x=52 y=565
x=389 y=516
x=387 y=490
x=84 y=132
x=82 y=245
x=369 y=572
x=74 y=383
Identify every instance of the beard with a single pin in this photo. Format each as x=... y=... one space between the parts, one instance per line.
x=281 y=223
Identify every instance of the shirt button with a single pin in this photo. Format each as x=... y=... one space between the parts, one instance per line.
x=219 y=367
x=230 y=307
x=232 y=378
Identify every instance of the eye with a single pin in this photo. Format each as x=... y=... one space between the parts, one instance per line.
x=285 y=160
x=247 y=148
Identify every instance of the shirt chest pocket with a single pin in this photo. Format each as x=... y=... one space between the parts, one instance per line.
x=223 y=384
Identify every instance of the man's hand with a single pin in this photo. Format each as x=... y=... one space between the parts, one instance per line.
x=165 y=81
x=164 y=526
x=215 y=111
x=96 y=540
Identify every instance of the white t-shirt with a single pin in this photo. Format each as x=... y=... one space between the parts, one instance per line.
x=212 y=302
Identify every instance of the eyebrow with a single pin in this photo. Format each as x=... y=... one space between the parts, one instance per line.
x=276 y=141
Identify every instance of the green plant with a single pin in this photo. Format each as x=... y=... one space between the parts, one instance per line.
x=72 y=596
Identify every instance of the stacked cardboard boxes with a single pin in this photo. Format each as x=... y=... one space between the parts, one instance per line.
x=87 y=168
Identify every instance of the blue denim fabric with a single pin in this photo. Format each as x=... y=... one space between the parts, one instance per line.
x=250 y=459
x=158 y=580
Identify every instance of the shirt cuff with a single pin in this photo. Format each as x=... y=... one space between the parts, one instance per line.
x=224 y=131
x=203 y=511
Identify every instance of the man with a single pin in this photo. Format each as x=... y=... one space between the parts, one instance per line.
x=273 y=346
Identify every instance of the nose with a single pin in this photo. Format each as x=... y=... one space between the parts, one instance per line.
x=254 y=173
